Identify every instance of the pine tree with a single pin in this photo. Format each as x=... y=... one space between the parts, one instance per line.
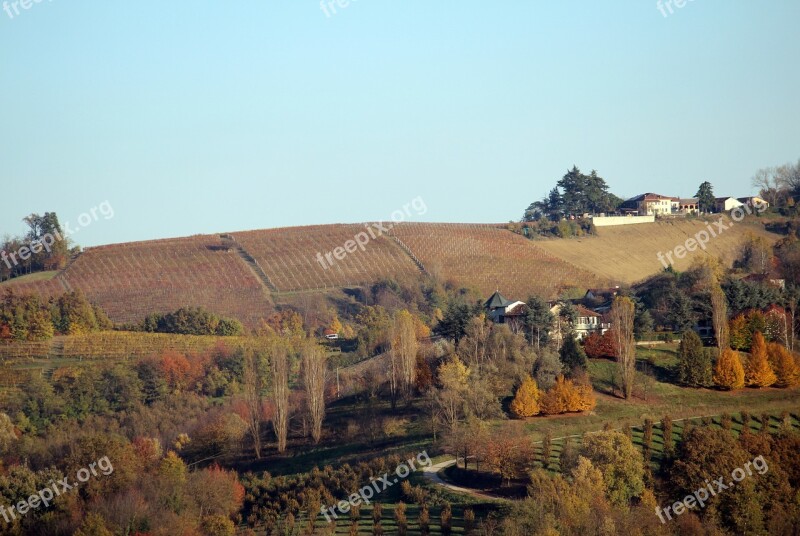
x=526 y=401
x=758 y=372
x=729 y=372
x=572 y=355
x=694 y=365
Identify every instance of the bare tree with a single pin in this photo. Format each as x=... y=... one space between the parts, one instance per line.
x=402 y=356
x=315 y=372
x=279 y=353
x=789 y=175
x=252 y=388
x=771 y=184
x=622 y=317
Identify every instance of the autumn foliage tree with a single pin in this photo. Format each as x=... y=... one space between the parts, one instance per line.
x=758 y=372
x=597 y=346
x=315 y=370
x=279 y=358
x=526 y=401
x=784 y=365
x=567 y=397
x=729 y=372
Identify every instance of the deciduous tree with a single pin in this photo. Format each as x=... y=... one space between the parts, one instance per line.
x=758 y=372
x=622 y=317
x=784 y=365
x=526 y=401
x=315 y=371
x=729 y=372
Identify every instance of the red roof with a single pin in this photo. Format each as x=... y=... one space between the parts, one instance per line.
x=583 y=311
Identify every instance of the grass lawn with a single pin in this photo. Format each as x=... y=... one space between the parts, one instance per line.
x=655 y=396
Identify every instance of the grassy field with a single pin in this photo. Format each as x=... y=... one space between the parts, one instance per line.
x=657 y=395
x=31 y=278
x=628 y=253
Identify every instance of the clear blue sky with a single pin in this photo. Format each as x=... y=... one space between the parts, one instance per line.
x=200 y=117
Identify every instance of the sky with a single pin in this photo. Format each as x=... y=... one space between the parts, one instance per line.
x=206 y=117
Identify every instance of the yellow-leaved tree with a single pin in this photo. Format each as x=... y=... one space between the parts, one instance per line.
x=758 y=372
x=526 y=401
x=729 y=372
x=784 y=365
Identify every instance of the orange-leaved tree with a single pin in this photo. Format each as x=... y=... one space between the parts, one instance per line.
x=729 y=372
x=758 y=372
x=565 y=397
x=784 y=365
x=526 y=401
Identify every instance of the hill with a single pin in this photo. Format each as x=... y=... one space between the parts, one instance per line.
x=629 y=253
x=244 y=274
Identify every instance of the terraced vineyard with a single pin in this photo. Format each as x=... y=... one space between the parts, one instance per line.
x=491 y=258
x=131 y=280
x=116 y=345
x=289 y=257
x=239 y=275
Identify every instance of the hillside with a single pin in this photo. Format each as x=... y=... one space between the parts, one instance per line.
x=131 y=280
x=244 y=274
x=628 y=253
x=489 y=258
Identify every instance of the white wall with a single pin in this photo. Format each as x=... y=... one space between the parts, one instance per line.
x=608 y=221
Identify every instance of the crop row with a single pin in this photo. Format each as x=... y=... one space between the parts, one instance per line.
x=290 y=257
x=490 y=258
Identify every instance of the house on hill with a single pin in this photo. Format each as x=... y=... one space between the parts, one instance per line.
x=725 y=204
x=650 y=204
x=689 y=206
x=601 y=295
x=586 y=323
x=501 y=310
x=753 y=201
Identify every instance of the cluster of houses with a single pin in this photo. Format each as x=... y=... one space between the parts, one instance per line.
x=589 y=320
x=651 y=204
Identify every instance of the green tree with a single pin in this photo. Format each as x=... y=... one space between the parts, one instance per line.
x=620 y=463
x=694 y=363
x=572 y=355
x=538 y=322
x=705 y=197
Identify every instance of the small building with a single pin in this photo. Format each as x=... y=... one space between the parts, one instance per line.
x=501 y=310
x=767 y=279
x=754 y=201
x=689 y=206
x=726 y=204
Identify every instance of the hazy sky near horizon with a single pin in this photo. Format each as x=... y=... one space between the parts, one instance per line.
x=228 y=116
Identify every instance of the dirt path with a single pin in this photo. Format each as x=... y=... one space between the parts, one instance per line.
x=432 y=475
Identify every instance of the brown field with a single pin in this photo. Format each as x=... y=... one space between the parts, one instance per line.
x=628 y=253
x=289 y=257
x=131 y=280
x=491 y=258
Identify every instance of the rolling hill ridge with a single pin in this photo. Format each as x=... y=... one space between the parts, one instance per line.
x=244 y=274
